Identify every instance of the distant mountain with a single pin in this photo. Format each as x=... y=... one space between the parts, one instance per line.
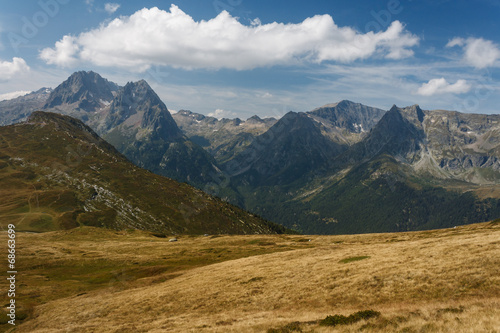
x=398 y=133
x=18 y=109
x=56 y=173
x=136 y=106
x=140 y=126
x=222 y=138
x=289 y=150
x=134 y=120
x=414 y=170
x=441 y=144
x=353 y=117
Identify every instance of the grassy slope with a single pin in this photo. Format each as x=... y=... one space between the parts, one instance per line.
x=433 y=281
x=57 y=174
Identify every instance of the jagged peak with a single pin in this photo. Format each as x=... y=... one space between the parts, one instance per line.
x=411 y=112
x=142 y=83
x=138 y=84
x=394 y=108
x=86 y=89
x=84 y=75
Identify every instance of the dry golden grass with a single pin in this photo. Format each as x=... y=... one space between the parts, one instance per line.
x=433 y=281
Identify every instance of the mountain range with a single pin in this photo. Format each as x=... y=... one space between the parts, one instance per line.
x=340 y=168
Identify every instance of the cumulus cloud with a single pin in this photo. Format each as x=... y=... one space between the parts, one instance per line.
x=12 y=95
x=173 y=38
x=478 y=52
x=441 y=86
x=9 y=69
x=64 y=54
x=110 y=8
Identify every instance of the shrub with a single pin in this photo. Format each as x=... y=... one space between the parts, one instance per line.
x=351 y=319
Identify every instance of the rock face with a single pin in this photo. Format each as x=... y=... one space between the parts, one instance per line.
x=137 y=106
x=77 y=178
x=463 y=145
x=442 y=144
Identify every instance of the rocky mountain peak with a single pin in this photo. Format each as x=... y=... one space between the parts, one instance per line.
x=413 y=113
x=85 y=91
x=354 y=117
x=137 y=105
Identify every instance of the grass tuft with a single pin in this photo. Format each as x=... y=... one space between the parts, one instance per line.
x=352 y=259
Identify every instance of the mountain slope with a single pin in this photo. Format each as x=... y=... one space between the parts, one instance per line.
x=18 y=109
x=399 y=133
x=380 y=184
x=140 y=126
x=413 y=170
x=288 y=151
x=56 y=173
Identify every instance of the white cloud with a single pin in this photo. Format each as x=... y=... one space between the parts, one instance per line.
x=219 y=114
x=110 y=8
x=65 y=53
x=172 y=38
x=10 y=69
x=457 y=41
x=12 y=95
x=478 y=52
x=441 y=86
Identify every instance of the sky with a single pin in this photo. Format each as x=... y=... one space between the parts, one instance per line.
x=238 y=58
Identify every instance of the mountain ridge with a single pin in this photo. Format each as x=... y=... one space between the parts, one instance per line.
x=73 y=177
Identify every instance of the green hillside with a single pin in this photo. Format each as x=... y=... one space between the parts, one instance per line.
x=56 y=173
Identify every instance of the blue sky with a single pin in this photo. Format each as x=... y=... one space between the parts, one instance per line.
x=236 y=58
